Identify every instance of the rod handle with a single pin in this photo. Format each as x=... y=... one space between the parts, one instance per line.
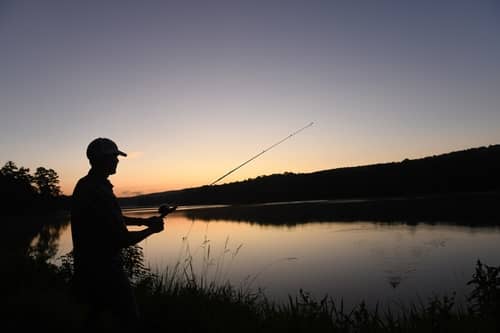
x=164 y=210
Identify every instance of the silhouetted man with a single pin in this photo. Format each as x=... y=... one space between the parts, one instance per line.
x=99 y=233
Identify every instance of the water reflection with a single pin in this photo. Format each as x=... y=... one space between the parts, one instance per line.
x=25 y=243
x=35 y=236
x=45 y=245
x=395 y=210
x=353 y=260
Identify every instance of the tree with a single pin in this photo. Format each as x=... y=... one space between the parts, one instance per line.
x=10 y=170
x=16 y=191
x=46 y=181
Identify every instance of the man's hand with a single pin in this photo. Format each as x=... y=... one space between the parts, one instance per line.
x=154 y=223
x=164 y=210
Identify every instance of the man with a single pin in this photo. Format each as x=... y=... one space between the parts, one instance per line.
x=99 y=233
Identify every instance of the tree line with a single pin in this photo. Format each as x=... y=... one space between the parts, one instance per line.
x=22 y=192
x=466 y=171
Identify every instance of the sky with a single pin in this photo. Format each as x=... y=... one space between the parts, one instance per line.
x=191 y=89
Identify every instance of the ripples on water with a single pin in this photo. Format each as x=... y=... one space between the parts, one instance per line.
x=352 y=260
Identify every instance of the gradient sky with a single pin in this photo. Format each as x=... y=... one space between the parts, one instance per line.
x=191 y=89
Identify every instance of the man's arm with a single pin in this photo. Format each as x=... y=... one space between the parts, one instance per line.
x=134 y=220
x=142 y=221
x=134 y=237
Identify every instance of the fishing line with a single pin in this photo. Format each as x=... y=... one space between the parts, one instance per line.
x=262 y=152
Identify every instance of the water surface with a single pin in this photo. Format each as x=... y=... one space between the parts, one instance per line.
x=362 y=260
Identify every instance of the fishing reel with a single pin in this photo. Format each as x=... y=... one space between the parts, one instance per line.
x=164 y=210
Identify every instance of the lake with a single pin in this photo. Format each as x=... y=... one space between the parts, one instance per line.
x=390 y=263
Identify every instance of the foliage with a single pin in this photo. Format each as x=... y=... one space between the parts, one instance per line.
x=203 y=300
x=133 y=263
x=21 y=192
x=485 y=297
x=10 y=170
x=189 y=298
x=472 y=170
x=66 y=268
x=46 y=181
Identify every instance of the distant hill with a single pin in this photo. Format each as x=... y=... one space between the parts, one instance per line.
x=471 y=170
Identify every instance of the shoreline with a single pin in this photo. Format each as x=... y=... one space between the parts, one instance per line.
x=475 y=209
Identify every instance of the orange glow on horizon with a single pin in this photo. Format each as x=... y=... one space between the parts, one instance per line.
x=144 y=174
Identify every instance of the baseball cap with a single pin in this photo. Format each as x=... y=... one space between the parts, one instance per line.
x=101 y=147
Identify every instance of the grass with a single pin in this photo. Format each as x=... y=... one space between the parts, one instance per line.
x=224 y=308
x=201 y=299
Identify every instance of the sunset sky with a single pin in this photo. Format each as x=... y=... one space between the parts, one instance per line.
x=191 y=89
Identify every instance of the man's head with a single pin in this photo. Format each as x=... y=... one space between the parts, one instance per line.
x=103 y=155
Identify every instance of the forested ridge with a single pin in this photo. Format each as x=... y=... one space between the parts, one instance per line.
x=471 y=170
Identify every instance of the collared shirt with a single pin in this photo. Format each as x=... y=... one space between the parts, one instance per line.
x=97 y=225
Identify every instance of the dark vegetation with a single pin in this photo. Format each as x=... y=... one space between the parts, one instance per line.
x=37 y=296
x=467 y=171
x=37 y=291
x=24 y=193
x=473 y=209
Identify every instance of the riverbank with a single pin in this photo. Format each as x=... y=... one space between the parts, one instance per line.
x=471 y=170
x=189 y=303
x=37 y=292
x=475 y=209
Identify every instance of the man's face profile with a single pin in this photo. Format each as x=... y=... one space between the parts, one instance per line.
x=111 y=162
x=106 y=163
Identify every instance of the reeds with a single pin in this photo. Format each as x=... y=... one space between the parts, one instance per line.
x=201 y=299
x=188 y=296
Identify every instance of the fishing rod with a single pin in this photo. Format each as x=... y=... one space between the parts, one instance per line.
x=164 y=210
x=262 y=152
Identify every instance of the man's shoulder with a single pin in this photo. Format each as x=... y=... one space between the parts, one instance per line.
x=84 y=184
x=89 y=185
x=82 y=181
